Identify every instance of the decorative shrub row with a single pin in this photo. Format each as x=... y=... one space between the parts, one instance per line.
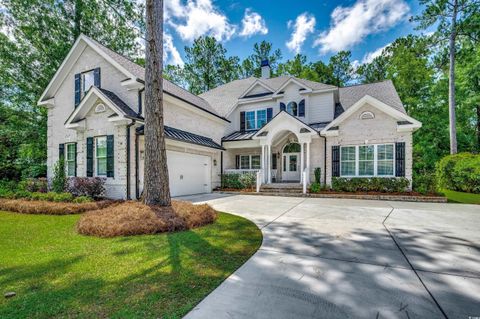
x=239 y=181
x=459 y=172
x=373 y=184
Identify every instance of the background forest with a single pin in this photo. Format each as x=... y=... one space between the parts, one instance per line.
x=37 y=34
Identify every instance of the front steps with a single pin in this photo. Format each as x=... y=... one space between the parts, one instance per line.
x=282 y=188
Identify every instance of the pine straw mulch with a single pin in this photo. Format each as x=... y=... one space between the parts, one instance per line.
x=51 y=208
x=134 y=218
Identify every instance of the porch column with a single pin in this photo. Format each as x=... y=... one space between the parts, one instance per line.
x=308 y=162
x=301 y=162
x=269 y=163
x=263 y=163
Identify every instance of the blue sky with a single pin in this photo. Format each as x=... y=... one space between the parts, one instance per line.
x=317 y=29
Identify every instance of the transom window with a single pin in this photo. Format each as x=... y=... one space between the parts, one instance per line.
x=250 y=162
x=88 y=80
x=367 y=160
x=101 y=155
x=71 y=155
x=292 y=108
x=255 y=119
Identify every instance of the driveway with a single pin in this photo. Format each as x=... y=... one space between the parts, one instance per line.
x=330 y=258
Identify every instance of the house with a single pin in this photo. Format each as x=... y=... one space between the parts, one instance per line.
x=282 y=127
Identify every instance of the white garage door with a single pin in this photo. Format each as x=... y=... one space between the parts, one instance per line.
x=189 y=173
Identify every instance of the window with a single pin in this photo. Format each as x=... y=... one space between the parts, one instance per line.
x=88 y=80
x=366 y=160
x=101 y=155
x=255 y=119
x=385 y=160
x=292 y=108
x=245 y=162
x=250 y=162
x=347 y=161
x=261 y=118
x=256 y=162
x=71 y=159
x=250 y=120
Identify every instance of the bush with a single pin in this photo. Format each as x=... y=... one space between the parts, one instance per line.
x=231 y=181
x=63 y=198
x=93 y=187
x=7 y=187
x=315 y=187
x=34 y=185
x=374 y=184
x=459 y=172
x=318 y=173
x=43 y=196
x=59 y=181
x=248 y=180
x=82 y=199
x=425 y=183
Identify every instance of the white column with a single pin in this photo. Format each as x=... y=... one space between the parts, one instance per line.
x=301 y=162
x=308 y=162
x=269 y=162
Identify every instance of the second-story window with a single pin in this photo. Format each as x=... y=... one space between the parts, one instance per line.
x=292 y=108
x=250 y=120
x=88 y=80
x=261 y=118
x=255 y=119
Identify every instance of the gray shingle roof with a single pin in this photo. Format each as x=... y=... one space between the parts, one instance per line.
x=184 y=136
x=383 y=91
x=120 y=104
x=169 y=88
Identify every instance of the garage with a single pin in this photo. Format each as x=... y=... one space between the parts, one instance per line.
x=188 y=173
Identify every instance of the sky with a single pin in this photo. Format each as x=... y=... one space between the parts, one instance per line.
x=315 y=28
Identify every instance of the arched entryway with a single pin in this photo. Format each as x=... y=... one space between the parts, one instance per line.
x=291 y=162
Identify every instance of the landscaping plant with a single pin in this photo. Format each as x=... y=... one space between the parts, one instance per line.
x=59 y=181
x=318 y=174
x=248 y=180
x=459 y=172
x=93 y=187
x=373 y=184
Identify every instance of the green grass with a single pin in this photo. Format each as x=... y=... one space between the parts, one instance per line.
x=57 y=273
x=459 y=197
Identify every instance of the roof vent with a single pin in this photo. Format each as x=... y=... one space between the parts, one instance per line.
x=265 y=69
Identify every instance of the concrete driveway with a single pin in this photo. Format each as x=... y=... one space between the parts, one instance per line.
x=330 y=258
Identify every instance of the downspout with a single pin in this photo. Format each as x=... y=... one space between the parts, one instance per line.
x=137 y=187
x=324 y=159
x=128 y=158
x=221 y=169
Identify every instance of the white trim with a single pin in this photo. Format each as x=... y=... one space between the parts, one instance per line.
x=287 y=82
x=254 y=84
x=367 y=99
x=375 y=161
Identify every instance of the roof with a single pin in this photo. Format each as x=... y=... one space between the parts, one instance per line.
x=168 y=87
x=120 y=104
x=239 y=136
x=383 y=91
x=184 y=136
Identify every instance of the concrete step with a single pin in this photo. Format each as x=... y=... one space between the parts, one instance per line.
x=282 y=188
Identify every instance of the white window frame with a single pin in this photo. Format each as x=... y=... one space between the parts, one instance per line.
x=92 y=72
x=255 y=112
x=250 y=161
x=375 y=161
x=67 y=161
x=96 y=156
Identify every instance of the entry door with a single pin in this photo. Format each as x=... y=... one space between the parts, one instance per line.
x=291 y=167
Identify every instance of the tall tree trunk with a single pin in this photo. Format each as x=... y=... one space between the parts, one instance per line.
x=77 y=19
x=156 y=183
x=451 y=84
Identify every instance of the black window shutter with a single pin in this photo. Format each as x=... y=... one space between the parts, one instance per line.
x=237 y=161
x=282 y=107
x=242 y=121
x=400 y=159
x=269 y=114
x=96 y=78
x=61 y=150
x=301 y=108
x=336 y=161
x=78 y=88
x=110 y=157
x=75 y=161
x=89 y=156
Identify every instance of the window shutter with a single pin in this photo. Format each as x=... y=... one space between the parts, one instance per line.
x=78 y=89
x=75 y=151
x=96 y=77
x=237 y=161
x=400 y=159
x=301 y=108
x=110 y=157
x=242 y=121
x=89 y=156
x=61 y=150
x=269 y=114
x=335 y=161
x=282 y=107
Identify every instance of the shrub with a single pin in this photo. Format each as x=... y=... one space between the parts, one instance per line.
x=135 y=218
x=43 y=196
x=59 y=181
x=459 y=172
x=93 y=187
x=374 y=184
x=82 y=199
x=248 y=180
x=231 y=181
x=63 y=197
x=425 y=183
x=315 y=187
x=23 y=194
x=318 y=173
x=50 y=208
x=34 y=185
x=7 y=186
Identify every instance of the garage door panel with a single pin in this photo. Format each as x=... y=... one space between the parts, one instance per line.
x=188 y=173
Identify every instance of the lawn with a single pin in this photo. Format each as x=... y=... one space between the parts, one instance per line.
x=57 y=273
x=464 y=198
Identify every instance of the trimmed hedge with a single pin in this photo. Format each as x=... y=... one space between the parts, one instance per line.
x=239 y=181
x=459 y=172
x=373 y=184
x=48 y=197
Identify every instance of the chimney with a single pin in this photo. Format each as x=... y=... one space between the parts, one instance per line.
x=265 y=69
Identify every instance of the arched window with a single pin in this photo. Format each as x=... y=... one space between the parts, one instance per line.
x=100 y=108
x=367 y=115
x=292 y=148
x=292 y=108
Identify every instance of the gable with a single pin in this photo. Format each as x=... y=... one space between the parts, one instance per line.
x=257 y=89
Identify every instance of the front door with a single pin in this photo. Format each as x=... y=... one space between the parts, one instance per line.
x=291 y=167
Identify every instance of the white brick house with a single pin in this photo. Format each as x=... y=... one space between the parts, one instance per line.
x=279 y=126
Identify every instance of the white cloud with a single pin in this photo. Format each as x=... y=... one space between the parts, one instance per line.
x=171 y=54
x=367 y=58
x=304 y=24
x=197 y=18
x=253 y=23
x=350 y=25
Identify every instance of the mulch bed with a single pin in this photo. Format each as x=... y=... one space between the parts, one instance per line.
x=51 y=208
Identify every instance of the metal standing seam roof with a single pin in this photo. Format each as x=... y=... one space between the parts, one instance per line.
x=239 y=136
x=184 y=136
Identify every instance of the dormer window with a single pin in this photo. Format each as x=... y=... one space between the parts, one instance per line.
x=88 y=80
x=84 y=81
